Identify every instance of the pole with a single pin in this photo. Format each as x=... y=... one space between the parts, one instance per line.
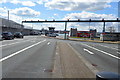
x=22 y=27
x=8 y=14
x=89 y=31
x=8 y=22
x=65 y=29
x=104 y=27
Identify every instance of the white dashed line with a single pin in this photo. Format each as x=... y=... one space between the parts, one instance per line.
x=56 y=53
x=101 y=51
x=21 y=51
x=48 y=43
x=88 y=51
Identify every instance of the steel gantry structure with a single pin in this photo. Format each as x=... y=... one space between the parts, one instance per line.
x=78 y=20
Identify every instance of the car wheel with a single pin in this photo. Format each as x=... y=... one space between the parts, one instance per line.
x=10 y=38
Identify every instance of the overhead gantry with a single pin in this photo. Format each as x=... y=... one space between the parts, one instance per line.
x=68 y=20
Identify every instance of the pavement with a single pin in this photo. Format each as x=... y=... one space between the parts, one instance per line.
x=103 y=56
x=69 y=65
x=45 y=57
x=29 y=59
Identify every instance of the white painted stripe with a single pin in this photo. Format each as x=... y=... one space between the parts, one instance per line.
x=56 y=53
x=20 y=51
x=88 y=51
x=48 y=43
x=101 y=51
x=14 y=43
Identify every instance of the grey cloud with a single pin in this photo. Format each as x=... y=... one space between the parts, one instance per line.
x=88 y=15
x=76 y=5
x=25 y=11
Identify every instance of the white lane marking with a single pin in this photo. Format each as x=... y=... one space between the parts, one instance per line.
x=48 y=43
x=21 y=51
x=14 y=43
x=101 y=51
x=88 y=51
x=107 y=47
x=56 y=53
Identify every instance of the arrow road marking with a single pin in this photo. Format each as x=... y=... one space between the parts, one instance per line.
x=101 y=51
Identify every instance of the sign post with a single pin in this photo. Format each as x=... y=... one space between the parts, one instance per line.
x=65 y=37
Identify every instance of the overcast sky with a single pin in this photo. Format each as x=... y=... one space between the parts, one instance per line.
x=59 y=10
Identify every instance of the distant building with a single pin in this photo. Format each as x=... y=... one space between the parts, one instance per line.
x=83 y=33
x=73 y=32
x=107 y=36
x=63 y=32
x=91 y=33
x=12 y=26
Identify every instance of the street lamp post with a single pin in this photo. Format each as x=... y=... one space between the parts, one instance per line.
x=8 y=22
x=89 y=31
x=65 y=30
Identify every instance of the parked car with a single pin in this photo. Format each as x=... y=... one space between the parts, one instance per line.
x=0 y=37
x=51 y=35
x=34 y=33
x=7 y=35
x=18 y=35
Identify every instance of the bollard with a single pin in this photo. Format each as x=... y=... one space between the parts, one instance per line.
x=107 y=76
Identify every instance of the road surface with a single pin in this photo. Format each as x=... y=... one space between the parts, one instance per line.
x=33 y=56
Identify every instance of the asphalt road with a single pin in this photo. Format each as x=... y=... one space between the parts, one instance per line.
x=105 y=57
x=33 y=56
